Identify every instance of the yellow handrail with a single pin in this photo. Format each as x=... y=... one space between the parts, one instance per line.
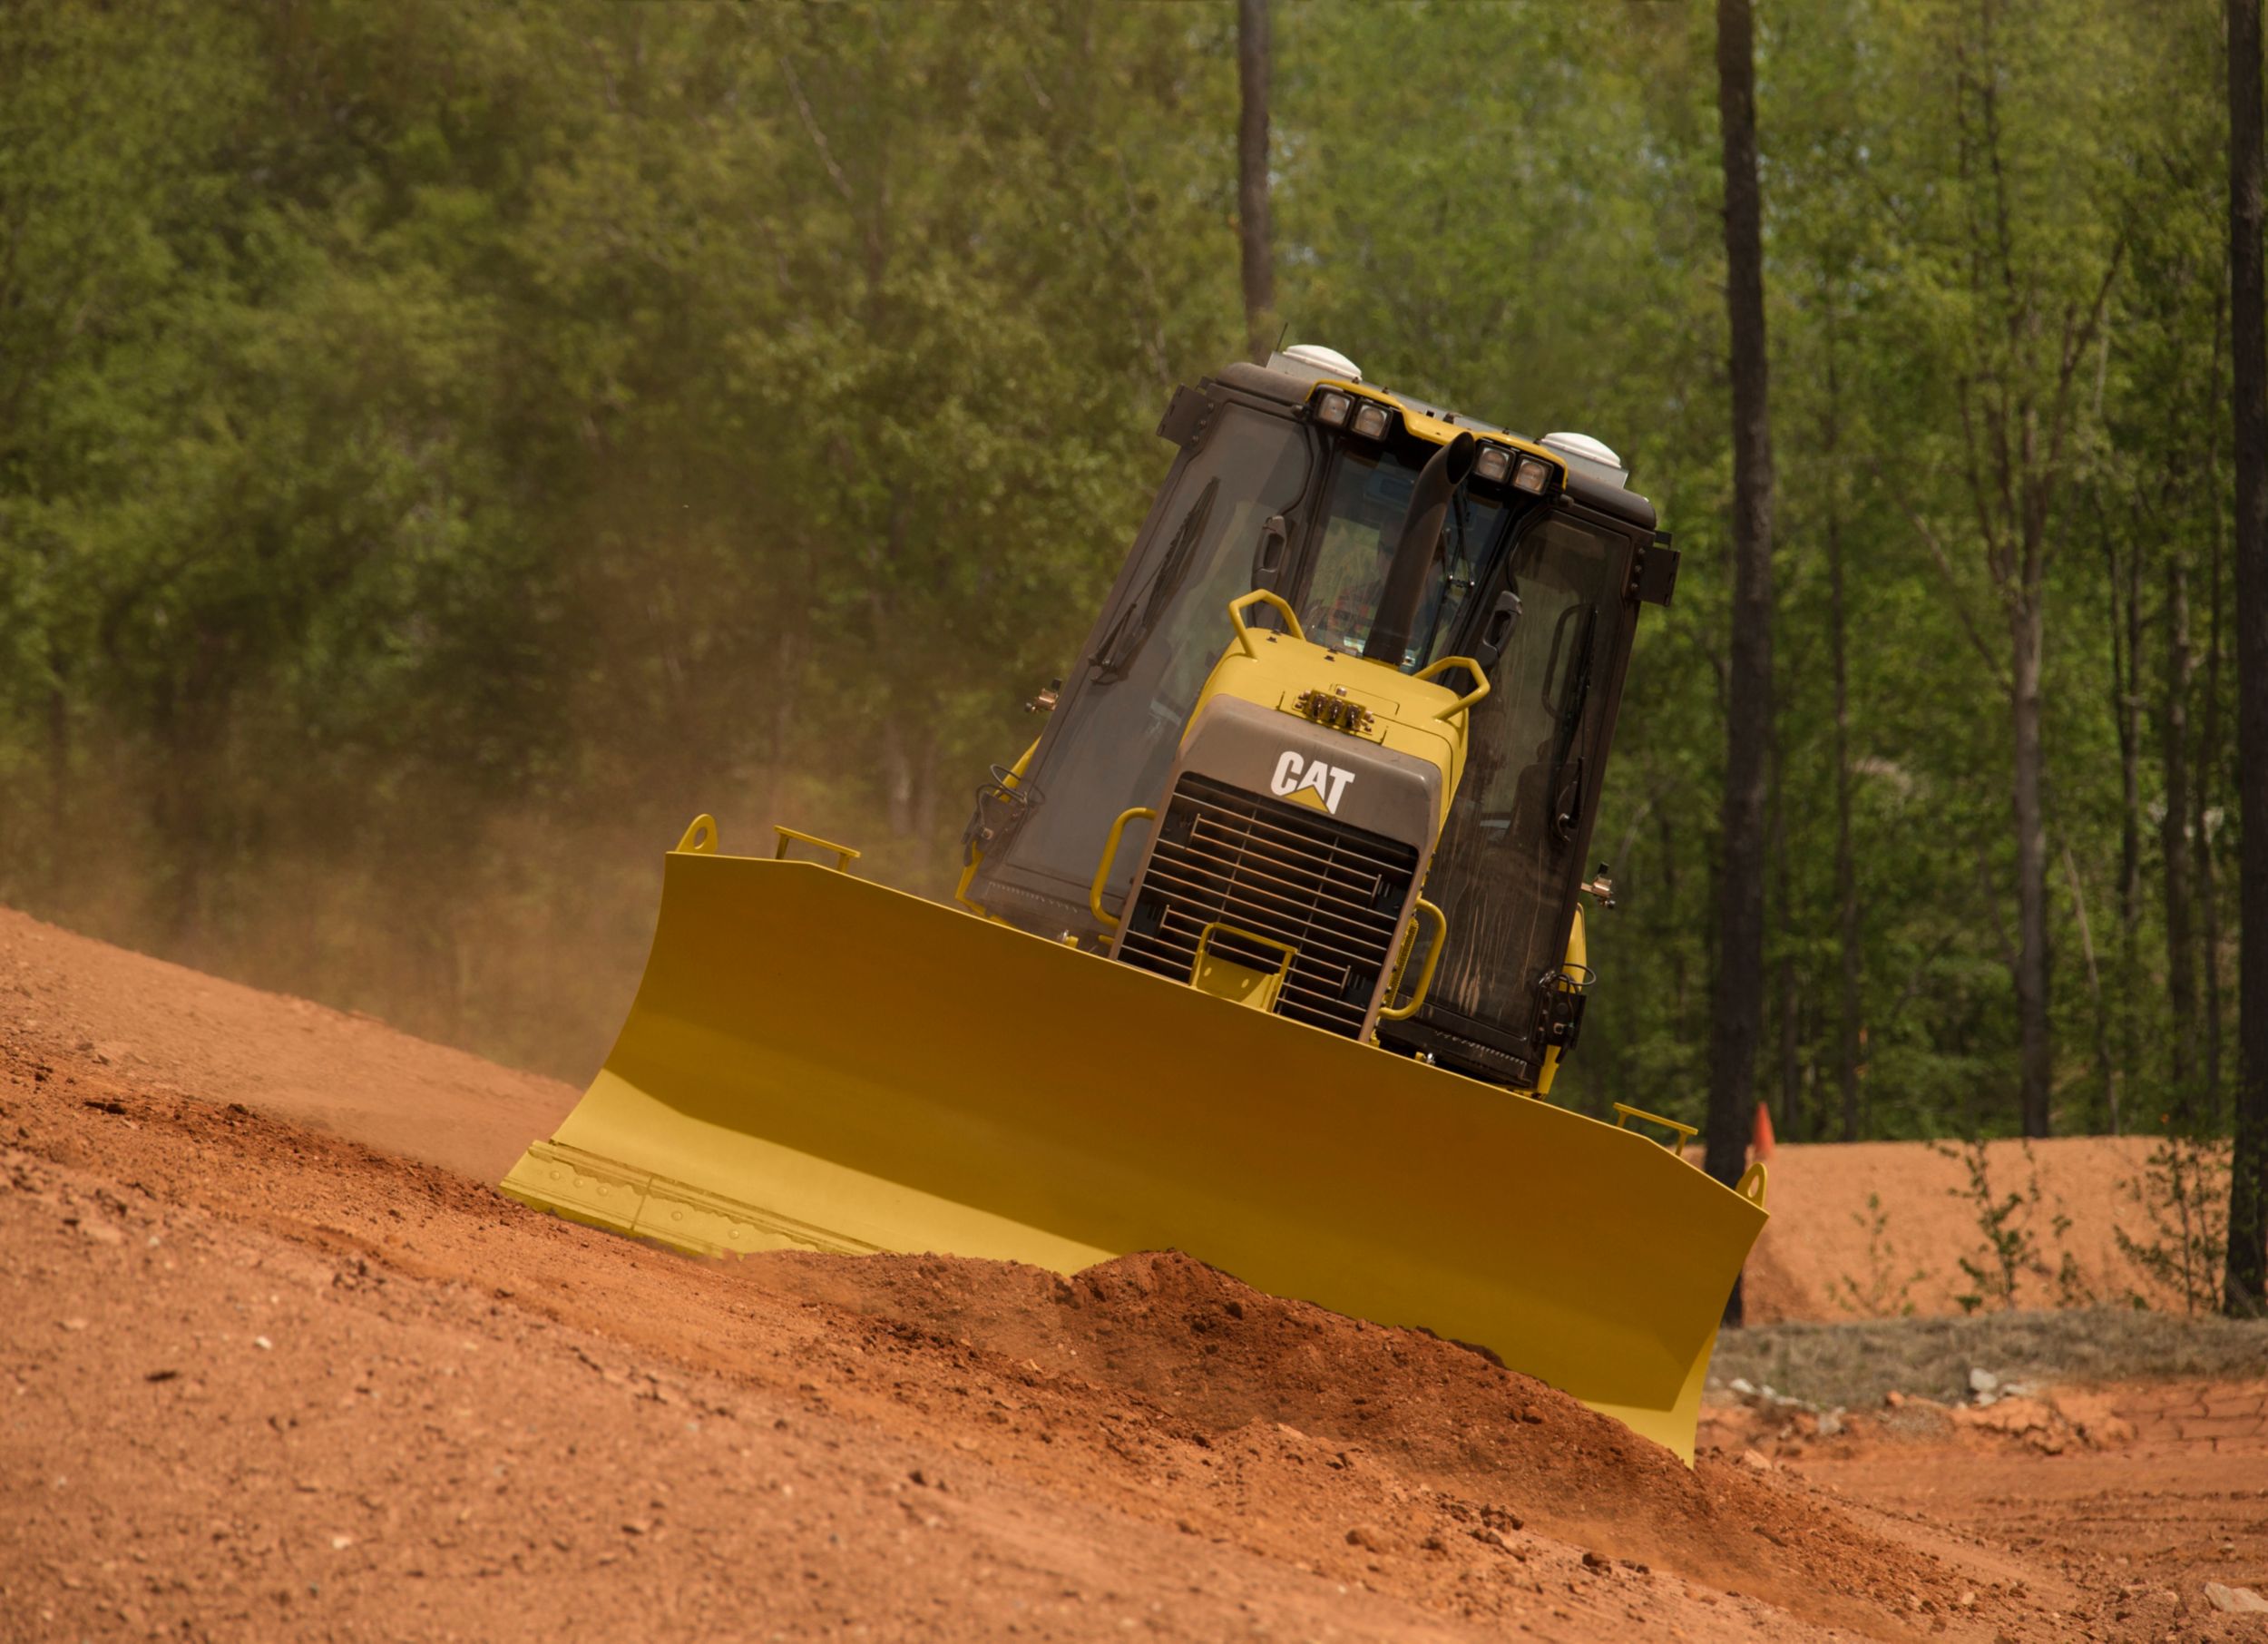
x=1260 y=596
x=1403 y=1013
x=1685 y=1133
x=844 y=855
x=1479 y=689
x=1110 y=855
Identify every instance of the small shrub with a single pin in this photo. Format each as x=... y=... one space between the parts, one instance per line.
x=2011 y=1247
x=1884 y=1295
x=2184 y=1194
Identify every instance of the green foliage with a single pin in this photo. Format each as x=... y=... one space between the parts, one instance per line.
x=2007 y=1227
x=1887 y=1293
x=444 y=447
x=2183 y=1193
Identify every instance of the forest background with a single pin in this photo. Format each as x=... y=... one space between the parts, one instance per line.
x=444 y=447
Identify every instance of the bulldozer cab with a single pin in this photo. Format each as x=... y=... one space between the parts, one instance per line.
x=1298 y=484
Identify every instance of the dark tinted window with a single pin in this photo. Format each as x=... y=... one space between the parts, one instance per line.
x=1115 y=738
x=1369 y=496
x=1501 y=873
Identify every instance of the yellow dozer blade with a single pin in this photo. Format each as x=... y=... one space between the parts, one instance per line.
x=816 y=1061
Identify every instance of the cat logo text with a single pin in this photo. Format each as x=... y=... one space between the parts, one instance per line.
x=1294 y=774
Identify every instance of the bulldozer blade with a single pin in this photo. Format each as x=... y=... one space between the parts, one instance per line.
x=815 y=1061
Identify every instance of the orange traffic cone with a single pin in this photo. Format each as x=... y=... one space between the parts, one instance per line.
x=1760 y=1144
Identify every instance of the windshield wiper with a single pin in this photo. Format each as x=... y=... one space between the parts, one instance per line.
x=1135 y=626
x=1566 y=788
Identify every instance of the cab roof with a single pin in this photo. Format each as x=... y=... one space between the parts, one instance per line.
x=1587 y=483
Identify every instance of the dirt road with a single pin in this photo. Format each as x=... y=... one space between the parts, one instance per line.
x=262 y=1380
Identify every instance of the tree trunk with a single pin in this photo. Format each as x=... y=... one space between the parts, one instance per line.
x=2103 y=1070
x=1785 y=985
x=1846 y=863
x=1252 y=177
x=1736 y=1019
x=2181 y=959
x=2246 y=1289
x=897 y=777
x=2126 y=646
x=2027 y=631
x=2208 y=877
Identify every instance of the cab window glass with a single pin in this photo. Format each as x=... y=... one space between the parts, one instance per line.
x=1531 y=774
x=1118 y=737
x=1368 y=500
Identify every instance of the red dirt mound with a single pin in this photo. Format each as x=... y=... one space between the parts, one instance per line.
x=1223 y=1359
x=1876 y=1228
x=170 y=1029
x=272 y=1382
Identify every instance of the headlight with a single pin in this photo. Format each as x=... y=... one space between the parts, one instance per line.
x=1532 y=475
x=1491 y=465
x=1331 y=408
x=1372 y=421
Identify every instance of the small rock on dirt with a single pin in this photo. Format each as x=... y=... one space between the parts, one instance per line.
x=1983 y=1383
x=2236 y=1600
x=1756 y=1458
x=1362 y=1535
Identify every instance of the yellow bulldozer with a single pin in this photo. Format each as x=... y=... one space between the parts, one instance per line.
x=1268 y=949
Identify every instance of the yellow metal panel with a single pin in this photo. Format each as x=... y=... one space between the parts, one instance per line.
x=814 y=1060
x=1414 y=717
x=1256 y=990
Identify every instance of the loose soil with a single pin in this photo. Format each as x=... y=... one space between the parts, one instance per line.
x=275 y=1361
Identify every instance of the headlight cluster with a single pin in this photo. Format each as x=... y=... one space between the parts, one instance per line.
x=1370 y=419
x=1528 y=473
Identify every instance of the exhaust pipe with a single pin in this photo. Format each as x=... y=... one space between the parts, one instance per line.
x=1414 y=552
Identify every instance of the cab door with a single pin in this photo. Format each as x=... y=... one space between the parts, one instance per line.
x=1511 y=851
x=1218 y=526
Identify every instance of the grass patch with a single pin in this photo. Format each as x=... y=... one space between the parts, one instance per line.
x=1854 y=1364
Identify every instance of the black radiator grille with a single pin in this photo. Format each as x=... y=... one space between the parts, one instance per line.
x=1332 y=892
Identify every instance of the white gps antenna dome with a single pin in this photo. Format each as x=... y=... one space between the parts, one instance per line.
x=1591 y=452
x=1314 y=362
